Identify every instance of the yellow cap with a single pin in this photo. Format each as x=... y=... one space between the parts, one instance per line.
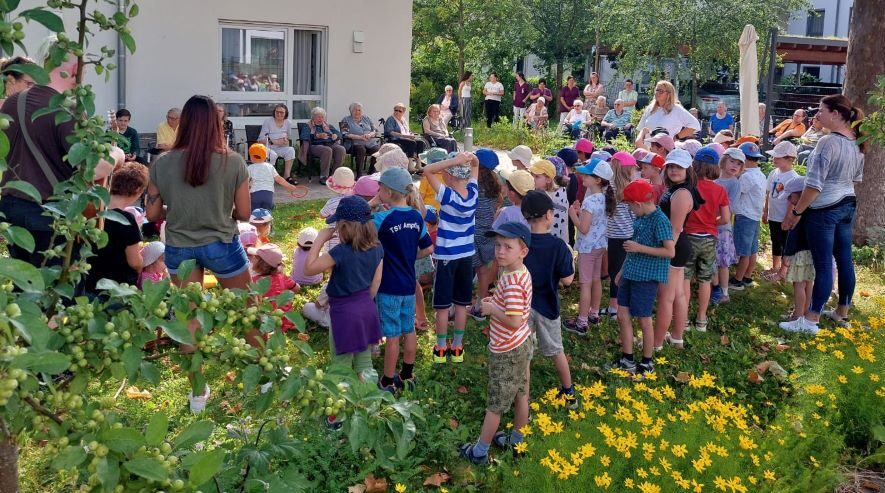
x=543 y=167
x=521 y=181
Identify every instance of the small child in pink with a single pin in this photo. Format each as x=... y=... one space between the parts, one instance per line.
x=299 y=257
x=154 y=269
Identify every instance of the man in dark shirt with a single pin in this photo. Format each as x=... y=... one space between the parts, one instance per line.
x=129 y=141
x=51 y=142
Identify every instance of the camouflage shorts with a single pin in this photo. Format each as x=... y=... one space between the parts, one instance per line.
x=508 y=376
x=702 y=261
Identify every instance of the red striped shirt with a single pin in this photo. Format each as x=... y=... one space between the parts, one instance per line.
x=513 y=296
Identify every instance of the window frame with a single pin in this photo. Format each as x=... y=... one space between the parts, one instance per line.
x=815 y=16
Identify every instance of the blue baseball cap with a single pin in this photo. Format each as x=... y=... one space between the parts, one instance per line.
x=751 y=150
x=351 y=208
x=707 y=155
x=396 y=179
x=568 y=155
x=487 y=158
x=512 y=229
x=430 y=214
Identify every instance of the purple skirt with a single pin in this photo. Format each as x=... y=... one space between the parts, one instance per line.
x=355 y=322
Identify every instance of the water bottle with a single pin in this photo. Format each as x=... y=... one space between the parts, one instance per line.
x=468 y=139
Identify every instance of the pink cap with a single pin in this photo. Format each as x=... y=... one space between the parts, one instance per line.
x=270 y=253
x=719 y=148
x=366 y=186
x=584 y=146
x=639 y=153
x=625 y=158
x=664 y=141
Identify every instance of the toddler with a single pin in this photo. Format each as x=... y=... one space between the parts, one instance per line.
x=262 y=177
x=154 y=267
x=268 y=264
x=306 y=237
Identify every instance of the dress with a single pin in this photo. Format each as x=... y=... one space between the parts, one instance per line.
x=353 y=313
x=559 y=228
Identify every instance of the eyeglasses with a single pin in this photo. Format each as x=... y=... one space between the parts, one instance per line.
x=280 y=112
x=658 y=91
x=398 y=110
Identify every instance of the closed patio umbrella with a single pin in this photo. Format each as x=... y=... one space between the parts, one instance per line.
x=749 y=82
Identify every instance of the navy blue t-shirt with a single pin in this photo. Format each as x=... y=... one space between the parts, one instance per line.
x=353 y=271
x=402 y=233
x=548 y=261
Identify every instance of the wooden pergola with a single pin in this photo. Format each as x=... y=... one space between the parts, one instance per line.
x=817 y=51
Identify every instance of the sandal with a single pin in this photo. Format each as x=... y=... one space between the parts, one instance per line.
x=773 y=276
x=700 y=325
x=673 y=342
x=501 y=440
x=835 y=317
x=466 y=451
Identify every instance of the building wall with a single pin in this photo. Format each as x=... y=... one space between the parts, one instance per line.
x=178 y=53
x=832 y=27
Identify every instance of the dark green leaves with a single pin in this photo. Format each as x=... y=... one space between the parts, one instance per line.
x=147 y=468
x=52 y=21
x=35 y=71
x=196 y=432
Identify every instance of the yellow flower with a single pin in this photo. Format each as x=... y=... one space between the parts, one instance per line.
x=509 y=425
x=842 y=379
x=400 y=488
x=526 y=430
x=628 y=482
x=720 y=483
x=535 y=406
x=814 y=461
x=874 y=377
x=649 y=488
x=603 y=481
x=769 y=475
x=857 y=370
x=520 y=447
x=839 y=354
x=446 y=490
x=660 y=360
x=641 y=473
x=679 y=450
x=605 y=460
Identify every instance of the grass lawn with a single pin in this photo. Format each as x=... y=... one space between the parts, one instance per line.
x=711 y=398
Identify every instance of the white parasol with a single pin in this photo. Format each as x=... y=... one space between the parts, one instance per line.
x=749 y=82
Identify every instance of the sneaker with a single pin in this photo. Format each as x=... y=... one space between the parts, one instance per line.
x=735 y=284
x=440 y=355
x=477 y=315
x=466 y=451
x=715 y=295
x=198 y=403
x=392 y=388
x=622 y=363
x=571 y=399
x=748 y=281
x=643 y=368
x=592 y=320
x=405 y=383
x=801 y=325
x=609 y=312
x=572 y=326
x=456 y=354
x=700 y=325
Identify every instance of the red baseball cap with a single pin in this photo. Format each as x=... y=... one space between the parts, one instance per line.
x=653 y=159
x=639 y=191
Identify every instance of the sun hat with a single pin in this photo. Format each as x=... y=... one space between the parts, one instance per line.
x=270 y=253
x=664 y=141
x=751 y=150
x=366 y=186
x=433 y=155
x=488 y=159
x=260 y=216
x=584 y=145
x=152 y=252
x=601 y=155
x=745 y=139
x=512 y=229
x=307 y=236
x=707 y=155
x=559 y=164
x=735 y=153
x=521 y=153
x=394 y=158
x=796 y=185
x=569 y=156
x=597 y=167
x=541 y=100
x=679 y=157
x=521 y=181
x=722 y=138
x=258 y=151
x=535 y=204
x=783 y=149
x=430 y=214
x=396 y=179
x=625 y=158
x=341 y=181
x=639 y=191
x=351 y=208
x=384 y=149
x=543 y=167
x=459 y=171
x=689 y=145
x=248 y=234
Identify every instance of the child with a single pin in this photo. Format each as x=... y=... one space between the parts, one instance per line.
x=120 y=259
x=590 y=221
x=747 y=215
x=521 y=157
x=428 y=195
x=652 y=169
x=306 y=237
x=402 y=233
x=519 y=183
x=510 y=351
x=702 y=228
x=262 y=176
x=366 y=187
x=583 y=148
x=356 y=265
x=487 y=203
x=424 y=269
x=797 y=262
x=154 y=267
x=548 y=181
x=262 y=220
x=453 y=281
x=783 y=155
x=730 y=166
x=574 y=190
x=341 y=183
x=551 y=265
x=619 y=225
x=647 y=265
x=268 y=263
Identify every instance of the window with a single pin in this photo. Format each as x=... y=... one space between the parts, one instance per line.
x=263 y=65
x=815 y=24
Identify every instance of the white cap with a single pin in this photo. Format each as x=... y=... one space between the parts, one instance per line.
x=679 y=157
x=307 y=236
x=603 y=170
x=521 y=153
x=783 y=149
x=152 y=252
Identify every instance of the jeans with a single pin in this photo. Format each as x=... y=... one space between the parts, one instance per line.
x=224 y=259
x=30 y=216
x=829 y=235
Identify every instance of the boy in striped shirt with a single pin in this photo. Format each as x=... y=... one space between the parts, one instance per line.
x=453 y=283
x=510 y=351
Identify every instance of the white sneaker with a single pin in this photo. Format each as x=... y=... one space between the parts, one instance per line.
x=266 y=387
x=800 y=325
x=198 y=403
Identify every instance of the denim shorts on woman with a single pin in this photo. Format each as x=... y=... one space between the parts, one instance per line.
x=223 y=259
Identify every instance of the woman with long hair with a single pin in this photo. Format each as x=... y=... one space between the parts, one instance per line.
x=828 y=204
x=666 y=112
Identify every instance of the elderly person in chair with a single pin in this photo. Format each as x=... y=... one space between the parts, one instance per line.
x=167 y=130
x=448 y=105
x=617 y=121
x=575 y=119
x=790 y=128
x=536 y=115
x=396 y=129
x=325 y=143
x=276 y=130
x=435 y=130
x=360 y=137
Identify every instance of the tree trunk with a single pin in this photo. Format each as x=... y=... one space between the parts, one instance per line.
x=8 y=465
x=555 y=87
x=865 y=62
x=460 y=63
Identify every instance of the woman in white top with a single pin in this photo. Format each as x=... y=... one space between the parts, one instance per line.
x=464 y=94
x=445 y=104
x=536 y=114
x=276 y=131
x=575 y=119
x=593 y=89
x=666 y=113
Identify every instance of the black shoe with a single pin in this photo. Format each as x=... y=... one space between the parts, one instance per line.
x=748 y=281
x=735 y=284
x=292 y=180
x=622 y=363
x=323 y=180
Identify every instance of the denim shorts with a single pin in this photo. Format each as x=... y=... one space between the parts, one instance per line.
x=638 y=296
x=397 y=314
x=223 y=259
x=746 y=236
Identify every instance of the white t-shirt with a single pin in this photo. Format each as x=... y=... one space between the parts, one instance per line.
x=573 y=116
x=594 y=203
x=495 y=90
x=465 y=90
x=777 y=199
x=674 y=121
x=752 y=198
x=261 y=177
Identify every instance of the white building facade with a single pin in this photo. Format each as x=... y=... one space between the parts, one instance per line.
x=825 y=19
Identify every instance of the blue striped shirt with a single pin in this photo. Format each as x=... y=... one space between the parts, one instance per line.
x=454 y=238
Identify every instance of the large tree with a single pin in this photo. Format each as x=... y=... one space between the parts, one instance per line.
x=865 y=62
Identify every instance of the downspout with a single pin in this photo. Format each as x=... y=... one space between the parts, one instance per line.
x=121 y=65
x=834 y=73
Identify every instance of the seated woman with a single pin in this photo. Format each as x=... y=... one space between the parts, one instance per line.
x=536 y=114
x=396 y=129
x=575 y=119
x=435 y=130
x=597 y=114
x=360 y=137
x=276 y=130
x=448 y=105
x=809 y=139
x=325 y=142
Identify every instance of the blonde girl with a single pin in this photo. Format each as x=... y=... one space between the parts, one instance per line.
x=548 y=180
